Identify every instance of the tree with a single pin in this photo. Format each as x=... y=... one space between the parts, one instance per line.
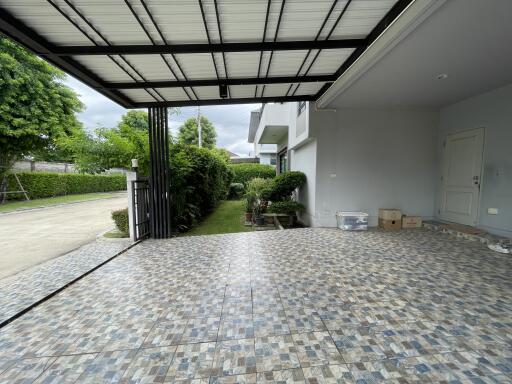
x=36 y=109
x=113 y=147
x=135 y=119
x=188 y=133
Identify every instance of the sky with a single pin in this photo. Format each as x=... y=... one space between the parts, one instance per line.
x=231 y=121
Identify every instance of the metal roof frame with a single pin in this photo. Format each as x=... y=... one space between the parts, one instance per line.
x=67 y=56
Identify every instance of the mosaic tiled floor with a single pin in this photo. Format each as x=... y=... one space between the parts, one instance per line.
x=294 y=306
x=27 y=287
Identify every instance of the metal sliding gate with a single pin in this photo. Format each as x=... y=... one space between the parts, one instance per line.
x=140 y=208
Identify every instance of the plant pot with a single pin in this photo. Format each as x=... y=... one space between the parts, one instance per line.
x=248 y=216
x=260 y=220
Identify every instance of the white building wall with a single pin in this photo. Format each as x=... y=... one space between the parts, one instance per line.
x=493 y=112
x=304 y=159
x=371 y=159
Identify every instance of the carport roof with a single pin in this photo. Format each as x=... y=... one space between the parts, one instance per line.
x=145 y=53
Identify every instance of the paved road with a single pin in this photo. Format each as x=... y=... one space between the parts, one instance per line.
x=30 y=237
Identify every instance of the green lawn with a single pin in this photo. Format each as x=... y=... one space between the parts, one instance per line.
x=227 y=218
x=20 y=205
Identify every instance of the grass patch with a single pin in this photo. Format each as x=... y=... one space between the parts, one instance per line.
x=10 y=206
x=228 y=217
x=115 y=234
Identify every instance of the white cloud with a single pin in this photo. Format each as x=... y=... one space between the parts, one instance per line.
x=230 y=121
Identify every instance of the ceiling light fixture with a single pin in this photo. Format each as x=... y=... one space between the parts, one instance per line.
x=442 y=76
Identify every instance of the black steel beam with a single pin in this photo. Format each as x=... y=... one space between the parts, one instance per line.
x=159 y=179
x=283 y=2
x=202 y=48
x=243 y=100
x=263 y=40
x=218 y=82
x=393 y=13
x=16 y=30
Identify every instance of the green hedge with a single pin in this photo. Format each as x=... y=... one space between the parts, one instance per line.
x=283 y=186
x=120 y=217
x=200 y=178
x=40 y=184
x=245 y=172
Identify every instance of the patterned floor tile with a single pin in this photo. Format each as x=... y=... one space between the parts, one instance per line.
x=201 y=330
x=316 y=348
x=287 y=376
x=335 y=374
x=463 y=365
x=276 y=353
x=107 y=367
x=304 y=320
x=191 y=361
x=26 y=370
x=235 y=307
x=27 y=287
x=235 y=379
x=149 y=366
x=270 y=323
x=66 y=369
x=412 y=370
x=166 y=332
x=234 y=357
x=410 y=306
x=236 y=327
x=358 y=344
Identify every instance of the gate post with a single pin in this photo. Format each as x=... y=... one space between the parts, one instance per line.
x=131 y=176
x=159 y=175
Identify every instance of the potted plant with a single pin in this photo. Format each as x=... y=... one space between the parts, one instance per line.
x=287 y=207
x=258 y=211
x=250 y=199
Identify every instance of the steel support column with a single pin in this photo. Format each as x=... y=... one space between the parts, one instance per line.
x=159 y=180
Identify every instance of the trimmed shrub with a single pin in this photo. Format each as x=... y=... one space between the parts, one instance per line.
x=120 y=217
x=243 y=173
x=236 y=191
x=250 y=200
x=258 y=185
x=283 y=186
x=41 y=184
x=288 y=207
x=200 y=178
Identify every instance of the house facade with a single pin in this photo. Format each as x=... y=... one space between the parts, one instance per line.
x=421 y=122
x=266 y=153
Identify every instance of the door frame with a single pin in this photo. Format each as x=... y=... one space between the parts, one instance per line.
x=480 y=186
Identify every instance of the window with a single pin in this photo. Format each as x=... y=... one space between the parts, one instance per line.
x=282 y=159
x=273 y=160
x=301 y=107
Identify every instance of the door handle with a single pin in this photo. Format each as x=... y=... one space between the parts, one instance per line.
x=476 y=180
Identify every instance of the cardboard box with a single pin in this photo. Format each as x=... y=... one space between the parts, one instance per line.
x=390 y=214
x=390 y=225
x=411 y=221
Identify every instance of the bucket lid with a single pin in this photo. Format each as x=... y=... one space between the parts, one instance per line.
x=340 y=213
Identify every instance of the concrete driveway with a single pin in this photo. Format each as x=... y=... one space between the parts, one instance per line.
x=30 y=237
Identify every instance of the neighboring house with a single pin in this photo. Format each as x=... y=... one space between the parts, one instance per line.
x=232 y=155
x=265 y=152
x=421 y=122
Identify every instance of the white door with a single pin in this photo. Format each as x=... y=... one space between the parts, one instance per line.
x=462 y=168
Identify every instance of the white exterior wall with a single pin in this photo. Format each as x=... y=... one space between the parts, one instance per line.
x=371 y=159
x=493 y=112
x=304 y=159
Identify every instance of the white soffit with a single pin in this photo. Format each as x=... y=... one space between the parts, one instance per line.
x=467 y=40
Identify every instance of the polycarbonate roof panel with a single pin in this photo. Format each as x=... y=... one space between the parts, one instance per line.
x=64 y=30
x=104 y=67
x=361 y=17
x=328 y=61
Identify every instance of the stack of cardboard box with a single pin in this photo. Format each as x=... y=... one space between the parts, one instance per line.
x=391 y=219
